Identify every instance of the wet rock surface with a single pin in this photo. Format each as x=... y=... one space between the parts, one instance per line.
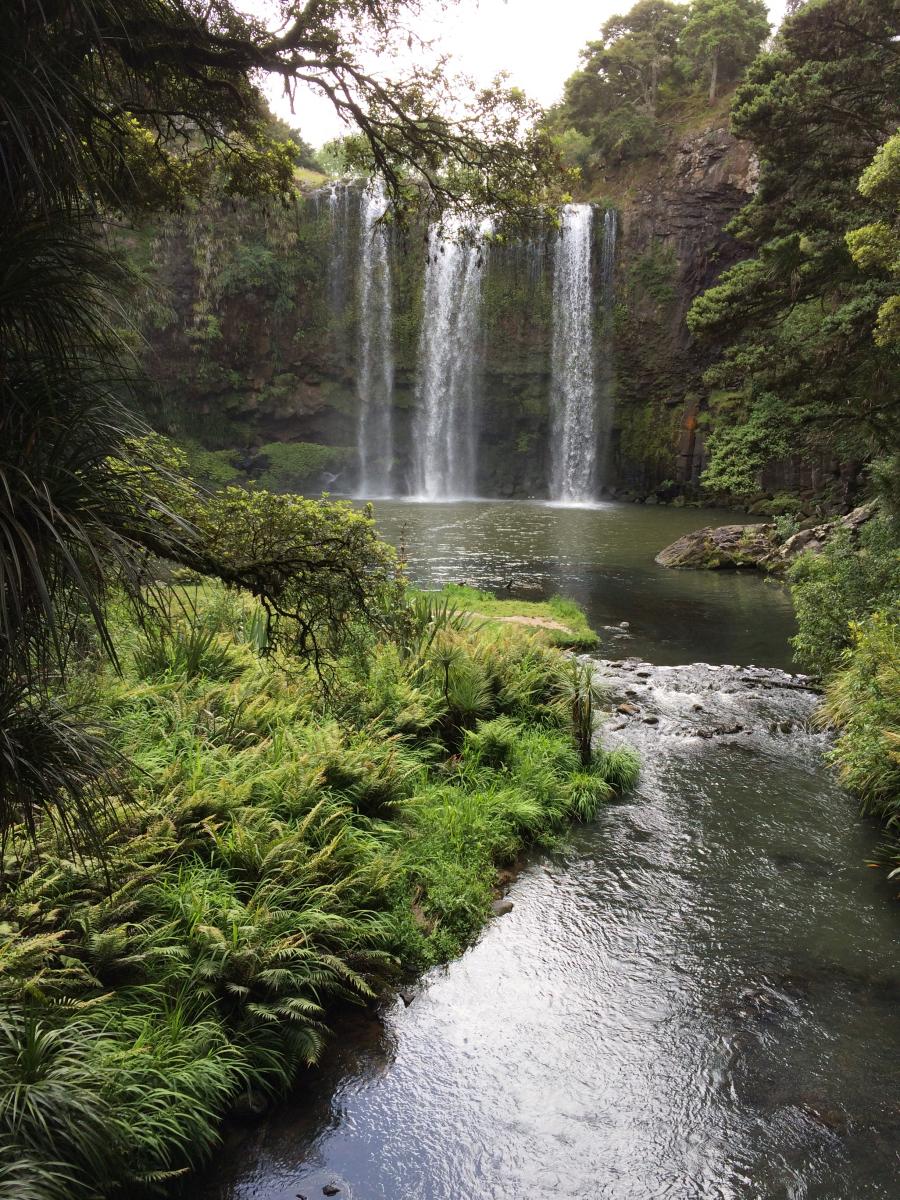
x=704 y=701
x=725 y=547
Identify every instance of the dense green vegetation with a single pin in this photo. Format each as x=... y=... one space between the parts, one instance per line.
x=270 y=854
x=645 y=65
x=797 y=317
x=848 y=614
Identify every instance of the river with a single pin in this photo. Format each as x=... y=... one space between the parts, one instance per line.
x=695 y=996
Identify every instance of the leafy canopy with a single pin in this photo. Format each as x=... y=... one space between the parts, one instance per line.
x=644 y=61
x=721 y=38
x=795 y=319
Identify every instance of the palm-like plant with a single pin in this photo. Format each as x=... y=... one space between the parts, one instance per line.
x=581 y=694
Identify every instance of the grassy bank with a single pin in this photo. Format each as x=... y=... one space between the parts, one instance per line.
x=557 y=622
x=275 y=850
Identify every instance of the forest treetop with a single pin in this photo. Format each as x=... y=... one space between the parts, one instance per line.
x=656 y=53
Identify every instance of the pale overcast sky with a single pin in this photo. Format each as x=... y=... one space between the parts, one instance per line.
x=535 y=41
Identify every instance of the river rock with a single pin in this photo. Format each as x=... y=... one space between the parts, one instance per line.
x=628 y=709
x=722 y=547
x=501 y=907
x=735 y=546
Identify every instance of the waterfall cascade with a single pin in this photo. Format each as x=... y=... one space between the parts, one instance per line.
x=605 y=381
x=438 y=450
x=445 y=433
x=338 y=196
x=375 y=357
x=572 y=388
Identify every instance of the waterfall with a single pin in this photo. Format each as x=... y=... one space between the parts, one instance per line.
x=375 y=359
x=605 y=402
x=572 y=396
x=338 y=257
x=445 y=434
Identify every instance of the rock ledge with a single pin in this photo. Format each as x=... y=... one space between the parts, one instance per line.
x=729 y=547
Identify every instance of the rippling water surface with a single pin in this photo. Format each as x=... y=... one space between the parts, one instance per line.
x=696 y=996
x=603 y=558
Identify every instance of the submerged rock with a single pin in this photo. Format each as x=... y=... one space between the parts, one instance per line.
x=249 y=1105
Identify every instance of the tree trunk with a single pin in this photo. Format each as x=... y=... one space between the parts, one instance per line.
x=713 y=78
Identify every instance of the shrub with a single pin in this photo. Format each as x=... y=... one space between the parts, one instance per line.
x=843 y=584
x=863 y=699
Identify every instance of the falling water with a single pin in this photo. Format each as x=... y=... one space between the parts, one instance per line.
x=375 y=359
x=573 y=383
x=338 y=243
x=445 y=446
x=605 y=386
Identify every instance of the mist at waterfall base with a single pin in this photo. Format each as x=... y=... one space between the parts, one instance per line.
x=448 y=395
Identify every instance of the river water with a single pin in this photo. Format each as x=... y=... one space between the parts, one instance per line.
x=697 y=995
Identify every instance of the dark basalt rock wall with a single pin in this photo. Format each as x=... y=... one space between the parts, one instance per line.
x=673 y=245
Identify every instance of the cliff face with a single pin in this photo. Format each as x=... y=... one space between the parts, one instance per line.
x=673 y=245
x=253 y=327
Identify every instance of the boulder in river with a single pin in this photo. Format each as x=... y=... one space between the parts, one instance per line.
x=725 y=546
x=734 y=546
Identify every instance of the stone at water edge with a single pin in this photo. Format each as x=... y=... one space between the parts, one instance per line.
x=727 y=546
x=735 y=546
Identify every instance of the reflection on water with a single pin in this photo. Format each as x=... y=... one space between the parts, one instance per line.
x=601 y=556
x=697 y=996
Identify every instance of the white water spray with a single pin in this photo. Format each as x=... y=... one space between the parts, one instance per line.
x=445 y=434
x=573 y=399
x=375 y=357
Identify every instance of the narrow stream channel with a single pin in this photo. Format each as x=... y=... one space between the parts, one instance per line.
x=696 y=996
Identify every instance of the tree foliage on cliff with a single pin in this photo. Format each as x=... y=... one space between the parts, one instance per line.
x=655 y=53
x=113 y=106
x=721 y=39
x=796 y=319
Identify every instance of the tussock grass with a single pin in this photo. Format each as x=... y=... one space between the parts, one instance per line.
x=278 y=851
